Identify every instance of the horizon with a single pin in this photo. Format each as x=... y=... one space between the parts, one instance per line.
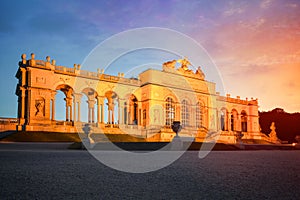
x=255 y=45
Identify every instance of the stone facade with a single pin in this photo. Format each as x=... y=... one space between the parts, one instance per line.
x=143 y=107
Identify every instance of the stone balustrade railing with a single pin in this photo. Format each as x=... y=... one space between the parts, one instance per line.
x=75 y=70
x=8 y=120
x=237 y=100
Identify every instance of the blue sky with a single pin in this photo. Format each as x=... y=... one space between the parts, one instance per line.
x=255 y=44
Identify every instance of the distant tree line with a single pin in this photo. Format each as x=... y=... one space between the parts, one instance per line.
x=287 y=124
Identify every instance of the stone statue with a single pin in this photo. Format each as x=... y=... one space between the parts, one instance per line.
x=48 y=64
x=32 y=60
x=200 y=73
x=39 y=108
x=273 y=134
x=184 y=63
x=170 y=64
x=23 y=59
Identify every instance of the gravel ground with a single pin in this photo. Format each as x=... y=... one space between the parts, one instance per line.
x=54 y=173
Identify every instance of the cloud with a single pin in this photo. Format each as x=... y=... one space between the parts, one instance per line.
x=233 y=9
x=292 y=5
x=254 y=25
x=265 y=4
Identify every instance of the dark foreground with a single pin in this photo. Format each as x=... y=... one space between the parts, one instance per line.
x=56 y=173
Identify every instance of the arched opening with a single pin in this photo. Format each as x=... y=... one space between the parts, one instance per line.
x=185 y=115
x=63 y=102
x=60 y=106
x=132 y=110
x=144 y=117
x=244 y=121
x=199 y=115
x=116 y=111
x=170 y=111
x=111 y=116
x=84 y=109
x=125 y=116
x=90 y=111
x=224 y=119
x=234 y=116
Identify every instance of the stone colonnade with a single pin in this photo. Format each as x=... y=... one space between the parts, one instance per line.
x=125 y=113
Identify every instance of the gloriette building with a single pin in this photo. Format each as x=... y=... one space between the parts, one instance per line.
x=143 y=106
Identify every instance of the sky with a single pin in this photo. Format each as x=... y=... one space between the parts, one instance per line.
x=255 y=44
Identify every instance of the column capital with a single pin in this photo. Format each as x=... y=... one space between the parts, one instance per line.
x=68 y=101
x=53 y=93
x=77 y=95
x=91 y=103
x=100 y=99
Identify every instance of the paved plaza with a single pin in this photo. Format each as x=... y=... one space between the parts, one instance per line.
x=49 y=171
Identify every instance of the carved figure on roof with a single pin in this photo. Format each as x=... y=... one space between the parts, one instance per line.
x=184 y=63
x=200 y=73
x=170 y=64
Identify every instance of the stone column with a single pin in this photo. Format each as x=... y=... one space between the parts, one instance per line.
x=67 y=113
x=110 y=105
x=128 y=115
x=69 y=116
x=74 y=106
x=112 y=116
x=249 y=124
x=121 y=111
x=226 y=120
x=78 y=118
x=22 y=103
x=22 y=107
x=93 y=115
x=89 y=115
x=229 y=122
x=109 y=122
x=98 y=109
x=139 y=117
x=125 y=114
x=77 y=101
x=100 y=113
x=238 y=123
x=129 y=112
x=91 y=105
x=53 y=109
x=23 y=70
x=28 y=107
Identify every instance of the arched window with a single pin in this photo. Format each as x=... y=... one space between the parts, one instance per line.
x=133 y=110
x=224 y=119
x=170 y=111
x=199 y=115
x=244 y=121
x=184 y=113
x=144 y=117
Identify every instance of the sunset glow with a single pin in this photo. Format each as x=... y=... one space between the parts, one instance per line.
x=255 y=44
